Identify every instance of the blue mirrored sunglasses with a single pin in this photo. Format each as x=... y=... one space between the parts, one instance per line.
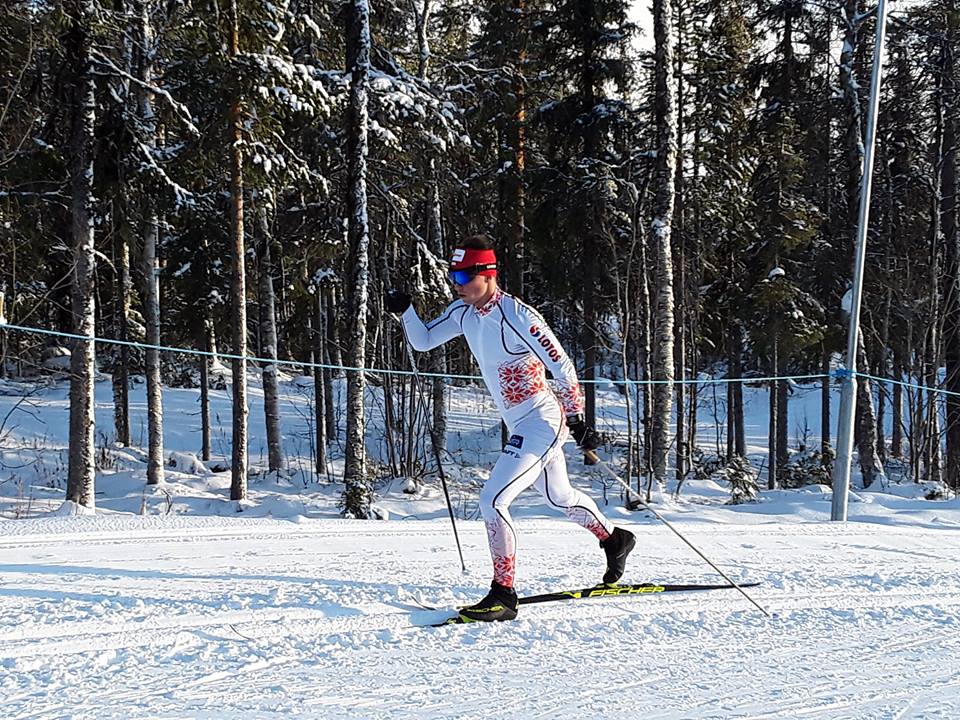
x=462 y=277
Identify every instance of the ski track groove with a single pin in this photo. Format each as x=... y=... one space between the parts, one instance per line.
x=294 y=532
x=306 y=623
x=167 y=641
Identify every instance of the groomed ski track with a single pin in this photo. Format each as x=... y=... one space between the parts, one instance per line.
x=214 y=618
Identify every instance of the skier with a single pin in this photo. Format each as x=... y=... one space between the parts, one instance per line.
x=513 y=347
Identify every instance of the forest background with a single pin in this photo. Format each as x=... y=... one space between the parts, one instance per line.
x=243 y=179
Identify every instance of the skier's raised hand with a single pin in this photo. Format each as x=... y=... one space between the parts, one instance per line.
x=396 y=301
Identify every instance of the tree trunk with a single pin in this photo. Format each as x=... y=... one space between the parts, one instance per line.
x=151 y=269
x=238 y=288
x=319 y=397
x=680 y=266
x=121 y=368
x=866 y=424
x=773 y=436
x=357 y=492
x=896 y=410
x=434 y=234
x=664 y=111
x=438 y=356
x=268 y=334
x=81 y=468
x=932 y=450
x=645 y=353
x=951 y=239
x=866 y=428
x=736 y=433
x=329 y=341
x=205 y=363
x=825 y=447
x=12 y=319
x=883 y=368
x=783 y=416
x=151 y=315
x=589 y=233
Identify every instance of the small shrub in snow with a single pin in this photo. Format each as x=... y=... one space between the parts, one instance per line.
x=742 y=477
x=807 y=468
x=104 y=459
x=705 y=466
x=739 y=474
x=179 y=370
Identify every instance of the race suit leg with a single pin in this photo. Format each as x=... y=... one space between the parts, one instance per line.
x=533 y=455
x=554 y=485
x=534 y=441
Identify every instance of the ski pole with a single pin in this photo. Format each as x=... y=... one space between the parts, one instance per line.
x=433 y=442
x=596 y=459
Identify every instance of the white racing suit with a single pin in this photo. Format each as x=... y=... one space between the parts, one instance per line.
x=513 y=347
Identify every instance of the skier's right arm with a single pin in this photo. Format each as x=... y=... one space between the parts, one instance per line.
x=444 y=328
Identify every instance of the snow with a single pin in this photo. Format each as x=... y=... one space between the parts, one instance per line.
x=170 y=603
x=846 y=302
x=163 y=618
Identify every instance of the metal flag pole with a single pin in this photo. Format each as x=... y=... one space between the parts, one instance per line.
x=848 y=395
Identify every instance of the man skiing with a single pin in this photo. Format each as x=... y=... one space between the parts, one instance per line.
x=513 y=347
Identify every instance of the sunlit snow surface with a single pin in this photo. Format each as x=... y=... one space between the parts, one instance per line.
x=193 y=610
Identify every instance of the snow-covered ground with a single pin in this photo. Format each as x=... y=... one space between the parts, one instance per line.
x=113 y=617
x=170 y=604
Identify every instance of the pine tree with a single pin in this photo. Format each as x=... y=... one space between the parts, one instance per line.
x=726 y=205
x=357 y=492
x=789 y=319
x=576 y=215
x=951 y=236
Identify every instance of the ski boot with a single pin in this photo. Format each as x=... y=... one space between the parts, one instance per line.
x=617 y=547
x=499 y=604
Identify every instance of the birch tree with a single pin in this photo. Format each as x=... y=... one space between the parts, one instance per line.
x=660 y=228
x=151 y=233
x=81 y=470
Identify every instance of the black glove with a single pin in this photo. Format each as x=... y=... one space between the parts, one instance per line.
x=587 y=438
x=396 y=301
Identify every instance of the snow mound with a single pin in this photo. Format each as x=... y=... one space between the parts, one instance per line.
x=187 y=462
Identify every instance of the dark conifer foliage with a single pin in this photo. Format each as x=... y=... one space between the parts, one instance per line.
x=534 y=121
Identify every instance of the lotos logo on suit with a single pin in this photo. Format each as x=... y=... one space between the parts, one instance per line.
x=545 y=342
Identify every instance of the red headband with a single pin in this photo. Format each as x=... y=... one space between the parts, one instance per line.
x=465 y=259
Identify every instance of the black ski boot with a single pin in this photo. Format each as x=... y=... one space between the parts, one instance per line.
x=617 y=547
x=499 y=604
